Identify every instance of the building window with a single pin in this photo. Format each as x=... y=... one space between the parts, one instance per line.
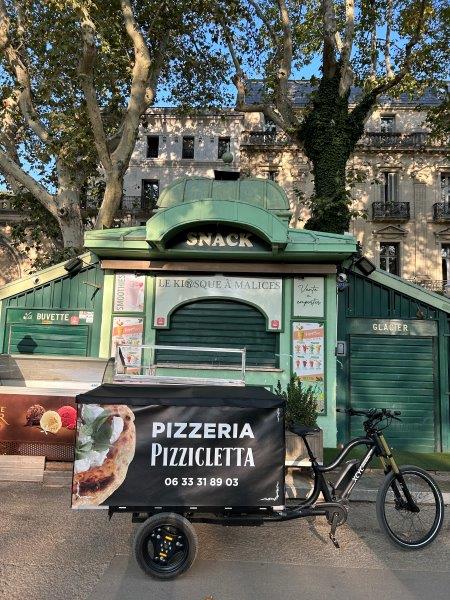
x=387 y=124
x=269 y=125
x=389 y=187
x=149 y=194
x=390 y=257
x=188 y=147
x=445 y=252
x=272 y=175
x=152 y=146
x=224 y=146
x=445 y=187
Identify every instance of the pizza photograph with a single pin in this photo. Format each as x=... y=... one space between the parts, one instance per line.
x=105 y=447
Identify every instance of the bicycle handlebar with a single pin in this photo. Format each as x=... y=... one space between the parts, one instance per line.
x=371 y=413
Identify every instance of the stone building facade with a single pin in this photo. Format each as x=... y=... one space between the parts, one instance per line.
x=401 y=178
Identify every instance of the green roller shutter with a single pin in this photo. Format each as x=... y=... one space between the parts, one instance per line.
x=396 y=373
x=48 y=339
x=220 y=324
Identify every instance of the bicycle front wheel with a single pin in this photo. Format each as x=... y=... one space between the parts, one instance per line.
x=408 y=528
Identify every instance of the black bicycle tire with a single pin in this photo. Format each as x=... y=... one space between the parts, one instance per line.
x=177 y=521
x=380 y=503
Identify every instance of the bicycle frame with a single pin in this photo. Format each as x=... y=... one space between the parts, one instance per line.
x=321 y=486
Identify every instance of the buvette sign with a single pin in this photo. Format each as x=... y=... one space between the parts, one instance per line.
x=266 y=294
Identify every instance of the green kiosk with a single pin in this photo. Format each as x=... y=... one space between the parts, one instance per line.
x=218 y=266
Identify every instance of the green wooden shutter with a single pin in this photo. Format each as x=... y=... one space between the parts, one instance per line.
x=48 y=339
x=396 y=373
x=220 y=324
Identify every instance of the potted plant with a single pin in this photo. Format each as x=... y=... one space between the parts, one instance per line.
x=301 y=408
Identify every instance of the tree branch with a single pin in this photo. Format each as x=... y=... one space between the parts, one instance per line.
x=266 y=22
x=331 y=39
x=347 y=74
x=284 y=71
x=8 y=136
x=369 y=99
x=86 y=73
x=387 y=44
x=139 y=92
x=12 y=169
x=408 y=57
x=239 y=76
x=21 y=74
x=373 y=40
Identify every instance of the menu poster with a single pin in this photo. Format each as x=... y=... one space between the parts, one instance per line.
x=129 y=292
x=128 y=331
x=308 y=358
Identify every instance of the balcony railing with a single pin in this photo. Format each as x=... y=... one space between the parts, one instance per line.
x=135 y=205
x=390 y=211
x=441 y=286
x=264 y=138
x=416 y=139
x=372 y=139
x=441 y=211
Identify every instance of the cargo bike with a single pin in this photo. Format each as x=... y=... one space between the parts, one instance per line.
x=174 y=451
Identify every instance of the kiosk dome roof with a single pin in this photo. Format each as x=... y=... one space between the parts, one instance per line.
x=259 y=192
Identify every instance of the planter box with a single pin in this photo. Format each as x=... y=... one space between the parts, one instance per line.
x=296 y=454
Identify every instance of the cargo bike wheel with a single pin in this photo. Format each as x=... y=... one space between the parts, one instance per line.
x=165 y=545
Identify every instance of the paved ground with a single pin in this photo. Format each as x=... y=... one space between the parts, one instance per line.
x=48 y=552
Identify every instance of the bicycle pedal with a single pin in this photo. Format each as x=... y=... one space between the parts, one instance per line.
x=334 y=540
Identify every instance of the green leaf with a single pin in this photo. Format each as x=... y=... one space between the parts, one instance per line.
x=86 y=429
x=82 y=450
x=100 y=421
x=102 y=435
x=101 y=447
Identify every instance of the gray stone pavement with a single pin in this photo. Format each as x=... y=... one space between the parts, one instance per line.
x=49 y=552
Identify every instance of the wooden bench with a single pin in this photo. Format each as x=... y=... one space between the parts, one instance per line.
x=22 y=468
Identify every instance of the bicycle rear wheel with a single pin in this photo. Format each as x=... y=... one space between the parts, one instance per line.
x=407 y=528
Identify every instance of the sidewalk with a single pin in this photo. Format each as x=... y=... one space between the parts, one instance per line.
x=297 y=482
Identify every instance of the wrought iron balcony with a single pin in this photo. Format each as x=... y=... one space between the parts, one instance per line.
x=136 y=206
x=416 y=139
x=441 y=212
x=440 y=286
x=390 y=211
x=264 y=138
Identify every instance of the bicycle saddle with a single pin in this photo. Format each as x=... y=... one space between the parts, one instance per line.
x=303 y=430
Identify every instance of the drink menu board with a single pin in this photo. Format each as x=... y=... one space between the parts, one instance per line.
x=308 y=357
x=128 y=331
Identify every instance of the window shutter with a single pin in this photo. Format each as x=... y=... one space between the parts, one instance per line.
x=218 y=324
x=392 y=187
x=48 y=339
